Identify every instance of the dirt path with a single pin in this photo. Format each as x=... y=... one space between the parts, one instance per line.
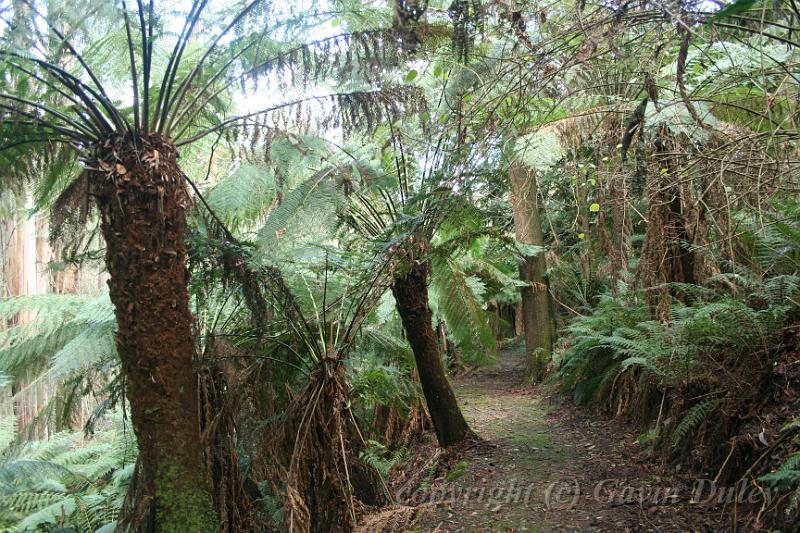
x=547 y=468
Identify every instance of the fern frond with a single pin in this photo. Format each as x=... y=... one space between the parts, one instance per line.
x=460 y=306
x=317 y=194
x=8 y=431
x=642 y=362
x=58 y=304
x=695 y=416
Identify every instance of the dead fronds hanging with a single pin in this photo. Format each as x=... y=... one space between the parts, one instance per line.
x=315 y=457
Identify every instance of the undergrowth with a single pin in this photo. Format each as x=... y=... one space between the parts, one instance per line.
x=68 y=482
x=712 y=386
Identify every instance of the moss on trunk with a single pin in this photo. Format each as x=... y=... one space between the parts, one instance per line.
x=536 y=305
x=411 y=294
x=142 y=198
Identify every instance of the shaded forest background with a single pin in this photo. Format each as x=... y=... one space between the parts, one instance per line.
x=243 y=246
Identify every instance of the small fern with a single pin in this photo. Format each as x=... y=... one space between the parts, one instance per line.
x=695 y=416
x=785 y=479
x=381 y=458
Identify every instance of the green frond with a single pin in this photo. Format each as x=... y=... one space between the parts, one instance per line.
x=786 y=476
x=387 y=385
x=316 y=199
x=51 y=514
x=381 y=458
x=26 y=503
x=391 y=346
x=243 y=196
x=93 y=345
x=642 y=362
x=8 y=431
x=54 y=304
x=695 y=416
x=25 y=346
x=457 y=300
x=66 y=480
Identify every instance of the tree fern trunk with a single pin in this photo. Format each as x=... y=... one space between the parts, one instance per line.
x=536 y=309
x=142 y=198
x=411 y=294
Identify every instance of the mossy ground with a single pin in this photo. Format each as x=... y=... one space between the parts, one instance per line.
x=524 y=477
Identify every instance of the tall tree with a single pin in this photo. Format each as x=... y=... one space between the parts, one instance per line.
x=536 y=306
x=404 y=226
x=410 y=290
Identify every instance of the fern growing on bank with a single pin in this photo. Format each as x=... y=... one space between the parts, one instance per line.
x=691 y=373
x=695 y=416
x=617 y=337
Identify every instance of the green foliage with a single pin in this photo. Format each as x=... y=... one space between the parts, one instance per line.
x=457 y=298
x=785 y=479
x=382 y=459
x=520 y=98
x=735 y=7
x=695 y=415
x=243 y=196
x=23 y=346
x=312 y=204
x=67 y=481
x=380 y=370
x=540 y=150
x=675 y=118
x=65 y=342
x=618 y=336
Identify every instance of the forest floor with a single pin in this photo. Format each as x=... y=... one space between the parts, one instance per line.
x=546 y=466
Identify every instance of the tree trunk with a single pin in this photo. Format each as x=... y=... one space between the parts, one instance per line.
x=664 y=259
x=536 y=310
x=411 y=294
x=142 y=199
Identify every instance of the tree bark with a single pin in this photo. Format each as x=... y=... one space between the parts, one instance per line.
x=142 y=198
x=536 y=309
x=664 y=259
x=411 y=294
